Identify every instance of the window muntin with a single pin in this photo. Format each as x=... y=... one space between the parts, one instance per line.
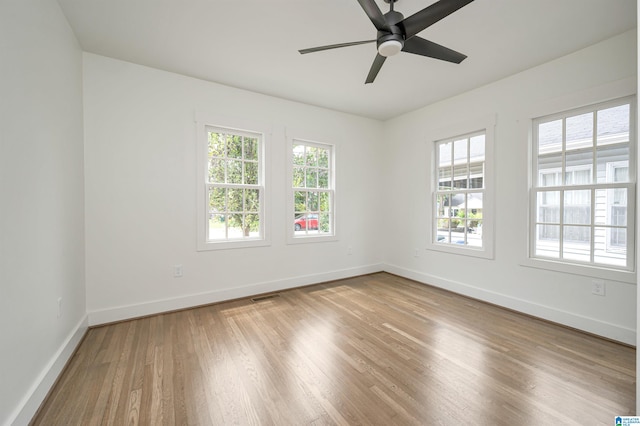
x=313 y=190
x=460 y=191
x=234 y=185
x=581 y=184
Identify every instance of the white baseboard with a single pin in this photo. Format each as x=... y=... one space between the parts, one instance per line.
x=30 y=403
x=120 y=313
x=590 y=325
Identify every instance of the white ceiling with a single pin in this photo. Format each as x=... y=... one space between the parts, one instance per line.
x=253 y=44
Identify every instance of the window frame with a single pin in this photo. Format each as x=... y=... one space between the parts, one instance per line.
x=590 y=268
x=474 y=126
x=292 y=238
x=204 y=125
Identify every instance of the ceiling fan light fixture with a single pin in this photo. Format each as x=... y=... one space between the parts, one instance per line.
x=389 y=48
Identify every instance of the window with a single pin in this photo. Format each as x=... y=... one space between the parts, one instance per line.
x=460 y=191
x=312 y=190
x=233 y=187
x=582 y=186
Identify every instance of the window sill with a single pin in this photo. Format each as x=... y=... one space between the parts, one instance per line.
x=482 y=253
x=584 y=270
x=311 y=239
x=228 y=245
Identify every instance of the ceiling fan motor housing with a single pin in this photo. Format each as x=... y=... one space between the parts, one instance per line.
x=391 y=42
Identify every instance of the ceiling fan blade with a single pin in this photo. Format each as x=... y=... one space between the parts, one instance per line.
x=373 y=12
x=375 y=68
x=420 y=46
x=334 y=46
x=430 y=15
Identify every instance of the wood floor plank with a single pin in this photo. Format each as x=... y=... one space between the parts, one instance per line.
x=371 y=350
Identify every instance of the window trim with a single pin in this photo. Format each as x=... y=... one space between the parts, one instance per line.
x=290 y=214
x=486 y=125
x=611 y=272
x=203 y=124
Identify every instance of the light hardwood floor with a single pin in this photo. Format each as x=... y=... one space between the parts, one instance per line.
x=375 y=349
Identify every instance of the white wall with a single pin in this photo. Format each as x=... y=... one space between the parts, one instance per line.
x=140 y=153
x=588 y=76
x=41 y=210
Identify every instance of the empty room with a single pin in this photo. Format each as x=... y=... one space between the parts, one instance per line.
x=384 y=212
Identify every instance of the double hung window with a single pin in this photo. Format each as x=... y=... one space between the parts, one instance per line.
x=460 y=191
x=583 y=185
x=313 y=189
x=233 y=186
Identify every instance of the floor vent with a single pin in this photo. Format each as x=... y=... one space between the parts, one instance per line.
x=265 y=297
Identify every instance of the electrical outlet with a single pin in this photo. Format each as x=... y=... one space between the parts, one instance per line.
x=416 y=253
x=349 y=250
x=177 y=271
x=59 y=307
x=598 y=287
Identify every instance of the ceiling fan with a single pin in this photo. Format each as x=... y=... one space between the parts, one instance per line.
x=395 y=33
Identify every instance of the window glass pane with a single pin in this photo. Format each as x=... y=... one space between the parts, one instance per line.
x=235 y=200
x=577 y=243
x=577 y=207
x=442 y=205
x=252 y=200
x=613 y=125
x=444 y=154
x=312 y=201
x=474 y=239
x=550 y=137
x=324 y=224
x=579 y=130
x=311 y=178
x=234 y=171
x=217 y=227
x=444 y=178
x=611 y=207
x=474 y=208
x=460 y=173
x=550 y=170
x=300 y=201
x=298 y=177
x=609 y=159
x=476 y=148
x=460 y=154
x=217 y=200
x=476 y=175
x=549 y=206
x=578 y=168
x=216 y=170
x=251 y=225
x=235 y=226
x=298 y=155
x=312 y=156
x=548 y=241
x=323 y=179
x=323 y=158
x=234 y=146
x=251 y=173
x=251 y=149
x=325 y=202
x=611 y=246
x=217 y=144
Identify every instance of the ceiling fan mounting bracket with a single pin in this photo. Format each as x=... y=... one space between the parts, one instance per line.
x=390 y=1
